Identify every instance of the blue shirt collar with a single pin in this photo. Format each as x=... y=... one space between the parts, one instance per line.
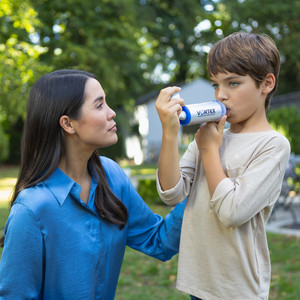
x=61 y=186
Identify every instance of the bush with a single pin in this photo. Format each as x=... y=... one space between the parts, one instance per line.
x=287 y=120
x=3 y=145
x=147 y=190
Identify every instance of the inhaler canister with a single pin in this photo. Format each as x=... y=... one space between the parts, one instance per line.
x=201 y=112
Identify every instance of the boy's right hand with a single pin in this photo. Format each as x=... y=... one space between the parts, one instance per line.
x=169 y=109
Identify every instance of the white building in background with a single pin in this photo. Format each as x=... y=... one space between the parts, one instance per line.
x=150 y=130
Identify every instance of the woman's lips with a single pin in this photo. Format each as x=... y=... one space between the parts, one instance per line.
x=114 y=128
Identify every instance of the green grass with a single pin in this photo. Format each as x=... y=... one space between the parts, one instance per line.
x=285 y=259
x=143 y=277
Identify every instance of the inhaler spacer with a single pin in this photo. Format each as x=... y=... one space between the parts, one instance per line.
x=192 y=114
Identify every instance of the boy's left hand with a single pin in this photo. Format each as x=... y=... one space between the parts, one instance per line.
x=210 y=135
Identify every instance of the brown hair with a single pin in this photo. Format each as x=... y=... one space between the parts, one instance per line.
x=243 y=53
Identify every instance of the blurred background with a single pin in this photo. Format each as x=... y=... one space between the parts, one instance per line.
x=135 y=48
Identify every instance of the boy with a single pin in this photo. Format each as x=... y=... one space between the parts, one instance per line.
x=232 y=179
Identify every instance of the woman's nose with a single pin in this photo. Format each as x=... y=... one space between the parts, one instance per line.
x=111 y=113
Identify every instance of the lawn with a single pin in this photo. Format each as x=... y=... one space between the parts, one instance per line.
x=8 y=176
x=146 y=278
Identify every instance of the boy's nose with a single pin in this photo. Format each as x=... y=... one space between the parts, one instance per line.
x=221 y=95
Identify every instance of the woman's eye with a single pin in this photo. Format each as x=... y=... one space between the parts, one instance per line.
x=99 y=105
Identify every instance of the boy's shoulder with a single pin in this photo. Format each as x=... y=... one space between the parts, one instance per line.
x=263 y=140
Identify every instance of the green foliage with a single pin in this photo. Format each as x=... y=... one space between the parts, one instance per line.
x=287 y=120
x=128 y=44
x=169 y=39
x=19 y=66
x=280 y=20
x=3 y=145
x=99 y=37
x=147 y=190
x=19 y=57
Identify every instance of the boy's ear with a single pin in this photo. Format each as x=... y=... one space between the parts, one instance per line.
x=269 y=83
x=66 y=124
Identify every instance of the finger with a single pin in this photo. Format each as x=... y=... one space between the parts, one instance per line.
x=166 y=93
x=221 y=124
x=175 y=101
x=175 y=109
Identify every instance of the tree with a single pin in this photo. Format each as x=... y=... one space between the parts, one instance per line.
x=280 y=20
x=97 y=36
x=131 y=46
x=19 y=66
x=171 y=44
x=19 y=57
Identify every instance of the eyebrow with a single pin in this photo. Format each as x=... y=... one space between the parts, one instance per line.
x=232 y=77
x=227 y=78
x=100 y=98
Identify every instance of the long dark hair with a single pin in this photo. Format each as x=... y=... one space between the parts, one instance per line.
x=52 y=96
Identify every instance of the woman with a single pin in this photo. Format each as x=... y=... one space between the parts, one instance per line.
x=72 y=212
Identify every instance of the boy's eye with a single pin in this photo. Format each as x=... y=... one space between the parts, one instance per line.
x=233 y=83
x=215 y=85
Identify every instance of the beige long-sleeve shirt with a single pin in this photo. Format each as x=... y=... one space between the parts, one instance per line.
x=223 y=250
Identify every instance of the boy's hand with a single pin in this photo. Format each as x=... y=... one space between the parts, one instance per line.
x=209 y=136
x=169 y=109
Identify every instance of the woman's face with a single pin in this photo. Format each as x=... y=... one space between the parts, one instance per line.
x=95 y=127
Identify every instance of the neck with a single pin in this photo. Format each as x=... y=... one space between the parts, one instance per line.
x=75 y=169
x=256 y=123
x=74 y=162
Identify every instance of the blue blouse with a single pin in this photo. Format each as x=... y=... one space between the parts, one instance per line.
x=57 y=247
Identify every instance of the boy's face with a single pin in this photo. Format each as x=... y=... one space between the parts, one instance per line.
x=245 y=102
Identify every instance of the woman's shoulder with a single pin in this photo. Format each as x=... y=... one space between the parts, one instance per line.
x=111 y=167
x=34 y=197
x=109 y=164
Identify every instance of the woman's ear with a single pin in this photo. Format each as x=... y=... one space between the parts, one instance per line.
x=269 y=83
x=66 y=124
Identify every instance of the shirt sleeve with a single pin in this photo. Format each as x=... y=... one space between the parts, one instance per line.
x=149 y=232
x=187 y=171
x=250 y=189
x=21 y=262
x=146 y=231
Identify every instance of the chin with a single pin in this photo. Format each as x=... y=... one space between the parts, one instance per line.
x=111 y=143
